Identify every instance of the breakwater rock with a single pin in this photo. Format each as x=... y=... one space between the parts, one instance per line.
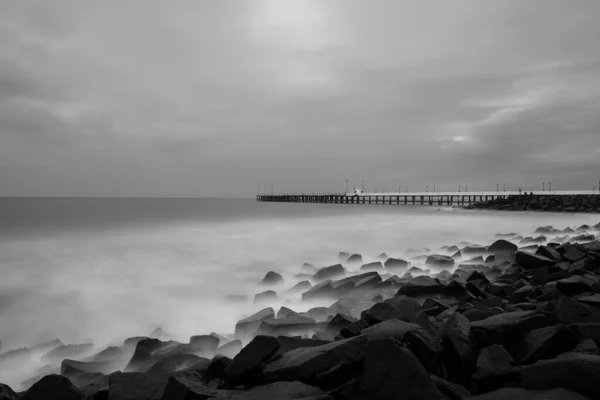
x=525 y=202
x=521 y=322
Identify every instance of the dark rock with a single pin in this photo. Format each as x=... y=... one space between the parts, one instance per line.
x=513 y=393
x=426 y=347
x=251 y=358
x=592 y=300
x=408 y=306
x=574 y=285
x=180 y=388
x=392 y=328
x=459 y=349
x=300 y=287
x=319 y=314
x=503 y=249
x=570 y=311
x=265 y=297
x=216 y=368
x=296 y=325
x=545 y=343
x=286 y=312
x=322 y=290
x=6 y=393
x=577 y=372
x=529 y=260
x=272 y=278
x=420 y=286
x=327 y=366
x=340 y=321
x=437 y=260
x=332 y=272
x=281 y=391
x=396 y=264
x=451 y=390
x=393 y=372
x=382 y=312
x=230 y=349
x=548 y=252
x=176 y=362
x=573 y=255
x=287 y=343
x=495 y=368
x=507 y=328
x=52 y=387
x=72 y=369
x=248 y=326
x=354 y=328
x=205 y=345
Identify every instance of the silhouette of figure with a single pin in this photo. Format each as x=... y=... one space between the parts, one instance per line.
x=519 y=190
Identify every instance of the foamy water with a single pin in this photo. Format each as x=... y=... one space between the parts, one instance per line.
x=124 y=279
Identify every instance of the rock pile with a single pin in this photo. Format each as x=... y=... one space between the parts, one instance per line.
x=524 y=325
x=525 y=202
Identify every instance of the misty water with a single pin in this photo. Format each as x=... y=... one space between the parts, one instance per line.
x=102 y=270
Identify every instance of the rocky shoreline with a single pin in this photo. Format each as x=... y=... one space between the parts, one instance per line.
x=518 y=318
x=529 y=202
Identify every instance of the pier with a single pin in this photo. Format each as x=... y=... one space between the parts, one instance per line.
x=399 y=198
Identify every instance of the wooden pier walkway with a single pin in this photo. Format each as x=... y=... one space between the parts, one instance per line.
x=418 y=198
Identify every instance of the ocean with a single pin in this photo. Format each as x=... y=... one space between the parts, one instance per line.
x=102 y=270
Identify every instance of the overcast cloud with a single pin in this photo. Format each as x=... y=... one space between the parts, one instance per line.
x=211 y=98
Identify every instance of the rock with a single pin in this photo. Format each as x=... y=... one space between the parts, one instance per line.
x=251 y=358
x=507 y=328
x=382 y=256
x=296 y=325
x=72 y=369
x=327 y=366
x=570 y=311
x=136 y=386
x=382 y=312
x=300 y=287
x=575 y=285
x=353 y=303
x=272 y=278
x=529 y=260
x=280 y=391
x=216 y=369
x=393 y=372
x=459 y=350
x=408 y=307
x=545 y=343
x=176 y=362
x=577 y=372
x=503 y=250
x=592 y=300
x=548 y=252
x=392 y=328
x=495 y=368
x=158 y=333
x=6 y=393
x=52 y=387
x=332 y=272
x=230 y=349
x=373 y=266
x=319 y=314
x=340 y=321
x=437 y=260
x=248 y=326
x=68 y=351
x=265 y=297
x=286 y=312
x=343 y=256
x=205 y=344
x=354 y=259
x=513 y=393
x=354 y=328
x=396 y=264
x=181 y=388
x=323 y=290
x=420 y=286
x=308 y=267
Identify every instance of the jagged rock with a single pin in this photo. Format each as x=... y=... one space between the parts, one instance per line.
x=396 y=264
x=340 y=321
x=575 y=285
x=205 y=344
x=459 y=349
x=52 y=387
x=286 y=312
x=420 y=286
x=248 y=326
x=451 y=390
x=574 y=254
x=495 y=367
x=382 y=312
x=216 y=369
x=545 y=343
x=230 y=349
x=251 y=358
x=300 y=287
x=265 y=297
x=529 y=260
x=506 y=328
x=513 y=393
x=327 y=366
x=426 y=347
x=393 y=372
x=331 y=272
x=548 y=252
x=321 y=290
x=287 y=343
x=319 y=314
x=354 y=328
x=354 y=259
x=176 y=362
x=408 y=306
x=503 y=250
x=295 y=325
x=577 y=372
x=373 y=266
x=72 y=369
x=437 y=260
x=392 y=328
x=570 y=311
x=592 y=300
x=272 y=278
x=434 y=307
x=368 y=282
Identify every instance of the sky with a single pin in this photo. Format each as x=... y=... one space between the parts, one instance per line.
x=152 y=98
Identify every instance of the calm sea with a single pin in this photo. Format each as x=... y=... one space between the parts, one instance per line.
x=104 y=269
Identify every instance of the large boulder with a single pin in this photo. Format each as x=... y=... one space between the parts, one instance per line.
x=327 y=366
x=286 y=312
x=136 y=386
x=495 y=368
x=205 y=345
x=184 y=388
x=570 y=311
x=426 y=346
x=292 y=326
x=287 y=343
x=459 y=349
x=247 y=364
x=437 y=260
x=545 y=343
x=267 y=296
x=300 y=287
x=230 y=349
x=577 y=372
x=575 y=285
x=420 y=286
x=354 y=259
x=396 y=264
x=373 y=266
x=272 y=278
x=248 y=326
x=392 y=328
x=52 y=387
x=332 y=272
x=503 y=250
x=529 y=260
x=392 y=372
x=6 y=393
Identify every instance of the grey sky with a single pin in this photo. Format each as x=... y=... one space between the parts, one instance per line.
x=199 y=98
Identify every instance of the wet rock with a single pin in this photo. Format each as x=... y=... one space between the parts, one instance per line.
x=507 y=328
x=250 y=359
x=575 y=285
x=296 y=325
x=272 y=278
x=248 y=326
x=355 y=259
x=503 y=249
x=392 y=328
x=420 y=286
x=396 y=264
x=287 y=343
x=393 y=372
x=574 y=254
x=327 y=366
x=300 y=287
x=354 y=329
x=577 y=372
x=426 y=347
x=529 y=260
x=340 y=321
x=570 y=311
x=265 y=297
x=52 y=387
x=545 y=343
x=332 y=272
x=459 y=349
x=495 y=368
x=437 y=260
x=373 y=266
x=230 y=349
x=513 y=393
